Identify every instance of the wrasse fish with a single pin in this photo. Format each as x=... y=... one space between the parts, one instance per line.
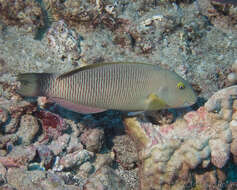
x=116 y=86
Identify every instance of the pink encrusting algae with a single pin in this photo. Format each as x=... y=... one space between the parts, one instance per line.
x=52 y=124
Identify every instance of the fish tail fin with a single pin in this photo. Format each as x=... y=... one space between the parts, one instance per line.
x=32 y=83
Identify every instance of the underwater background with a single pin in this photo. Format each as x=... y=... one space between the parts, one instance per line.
x=44 y=146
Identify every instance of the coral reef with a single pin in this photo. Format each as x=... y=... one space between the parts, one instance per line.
x=171 y=153
x=72 y=10
x=232 y=76
x=43 y=146
x=19 y=156
x=3 y=67
x=189 y=152
x=105 y=178
x=197 y=39
x=75 y=159
x=46 y=155
x=63 y=42
x=52 y=124
x=176 y=36
x=20 y=12
x=28 y=129
x=22 y=179
x=93 y=139
x=82 y=13
x=4 y=116
x=221 y=14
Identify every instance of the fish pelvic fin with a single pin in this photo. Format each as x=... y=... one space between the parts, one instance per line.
x=31 y=83
x=155 y=103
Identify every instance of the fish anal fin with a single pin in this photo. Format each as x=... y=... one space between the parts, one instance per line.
x=155 y=103
x=77 y=107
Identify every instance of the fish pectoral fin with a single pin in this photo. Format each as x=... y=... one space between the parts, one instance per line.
x=155 y=103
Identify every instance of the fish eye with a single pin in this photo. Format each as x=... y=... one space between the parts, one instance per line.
x=180 y=85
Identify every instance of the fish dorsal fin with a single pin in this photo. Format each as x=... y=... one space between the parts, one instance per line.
x=87 y=67
x=69 y=73
x=155 y=103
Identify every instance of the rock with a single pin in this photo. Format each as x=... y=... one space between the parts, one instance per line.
x=224 y=95
x=39 y=180
x=46 y=155
x=27 y=13
x=19 y=156
x=232 y=77
x=102 y=160
x=84 y=172
x=73 y=11
x=234 y=66
x=93 y=139
x=171 y=153
x=224 y=18
x=53 y=181
x=86 y=168
x=220 y=153
x=4 y=115
x=105 y=178
x=3 y=172
x=28 y=129
x=25 y=180
x=7 y=187
x=63 y=42
x=125 y=151
x=11 y=127
x=74 y=145
x=59 y=144
x=7 y=139
x=3 y=152
x=52 y=124
x=75 y=159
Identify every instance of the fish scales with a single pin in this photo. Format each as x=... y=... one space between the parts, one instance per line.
x=105 y=86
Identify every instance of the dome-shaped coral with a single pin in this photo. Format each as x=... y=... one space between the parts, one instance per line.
x=200 y=139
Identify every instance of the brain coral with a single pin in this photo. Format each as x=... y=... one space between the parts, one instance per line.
x=199 y=142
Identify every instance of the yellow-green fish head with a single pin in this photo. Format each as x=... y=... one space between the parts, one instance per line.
x=175 y=91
